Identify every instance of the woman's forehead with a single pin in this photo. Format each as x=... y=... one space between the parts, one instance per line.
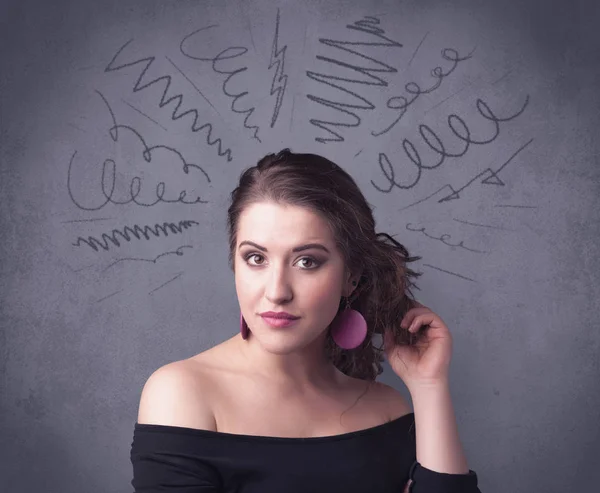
x=283 y=224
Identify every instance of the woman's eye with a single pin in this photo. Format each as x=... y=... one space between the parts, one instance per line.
x=248 y=257
x=311 y=261
x=306 y=263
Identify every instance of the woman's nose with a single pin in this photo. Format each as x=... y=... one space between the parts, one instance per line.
x=278 y=288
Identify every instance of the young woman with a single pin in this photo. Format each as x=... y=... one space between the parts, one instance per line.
x=291 y=403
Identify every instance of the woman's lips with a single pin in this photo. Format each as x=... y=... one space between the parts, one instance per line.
x=279 y=322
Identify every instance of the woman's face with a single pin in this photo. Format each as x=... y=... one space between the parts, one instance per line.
x=277 y=270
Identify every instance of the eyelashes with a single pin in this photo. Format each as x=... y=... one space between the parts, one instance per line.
x=249 y=256
x=315 y=263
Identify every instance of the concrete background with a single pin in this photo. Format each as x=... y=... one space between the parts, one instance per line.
x=508 y=226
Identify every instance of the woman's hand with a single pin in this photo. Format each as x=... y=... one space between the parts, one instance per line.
x=427 y=362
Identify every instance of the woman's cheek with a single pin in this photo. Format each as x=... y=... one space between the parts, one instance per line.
x=324 y=298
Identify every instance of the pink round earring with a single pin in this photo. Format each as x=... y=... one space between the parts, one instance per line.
x=244 y=328
x=349 y=328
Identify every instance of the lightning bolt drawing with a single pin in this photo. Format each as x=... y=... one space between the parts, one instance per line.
x=279 y=81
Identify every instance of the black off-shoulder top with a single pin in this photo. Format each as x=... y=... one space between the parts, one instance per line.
x=381 y=459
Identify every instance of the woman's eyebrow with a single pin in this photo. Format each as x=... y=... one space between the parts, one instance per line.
x=300 y=248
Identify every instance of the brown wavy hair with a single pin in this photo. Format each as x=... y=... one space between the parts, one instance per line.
x=383 y=294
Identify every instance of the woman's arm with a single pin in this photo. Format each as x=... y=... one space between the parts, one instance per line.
x=438 y=443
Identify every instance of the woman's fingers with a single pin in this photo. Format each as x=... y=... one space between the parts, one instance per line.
x=412 y=315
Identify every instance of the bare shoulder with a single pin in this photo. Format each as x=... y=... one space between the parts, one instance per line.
x=177 y=394
x=392 y=400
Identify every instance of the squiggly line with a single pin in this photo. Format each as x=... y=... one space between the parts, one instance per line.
x=136 y=232
x=443 y=239
x=414 y=88
x=111 y=67
x=109 y=171
x=277 y=60
x=147 y=153
x=490 y=177
x=177 y=252
x=223 y=55
x=459 y=128
x=367 y=25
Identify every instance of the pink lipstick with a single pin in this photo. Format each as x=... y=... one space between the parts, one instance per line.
x=279 y=319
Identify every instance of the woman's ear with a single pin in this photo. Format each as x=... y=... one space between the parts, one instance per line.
x=352 y=283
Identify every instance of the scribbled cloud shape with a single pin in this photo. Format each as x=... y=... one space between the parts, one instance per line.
x=142 y=172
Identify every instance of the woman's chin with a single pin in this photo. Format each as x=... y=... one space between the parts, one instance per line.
x=283 y=342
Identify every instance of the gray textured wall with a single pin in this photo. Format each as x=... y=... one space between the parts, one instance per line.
x=507 y=224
